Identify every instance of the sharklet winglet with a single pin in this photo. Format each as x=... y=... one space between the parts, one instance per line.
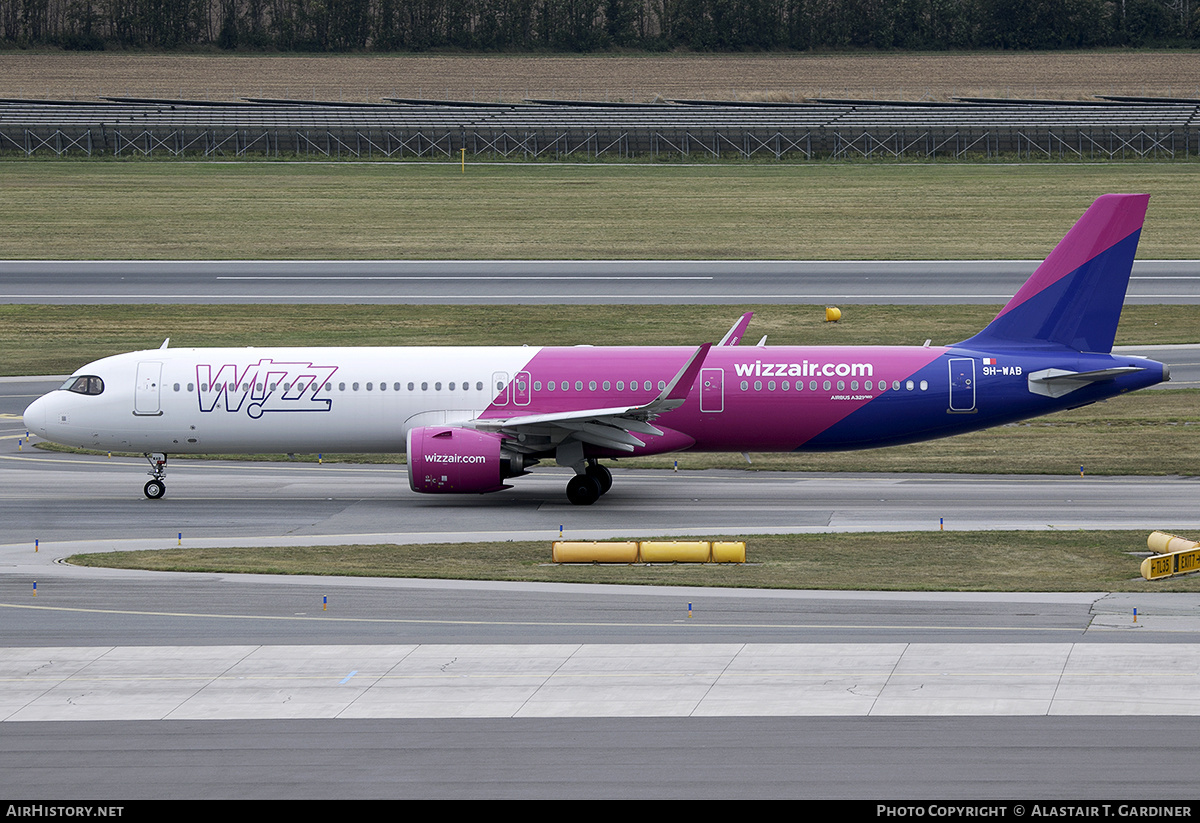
x=734 y=335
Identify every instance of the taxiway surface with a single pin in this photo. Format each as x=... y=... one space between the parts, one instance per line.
x=58 y=498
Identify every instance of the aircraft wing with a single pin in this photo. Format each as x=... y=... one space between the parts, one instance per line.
x=615 y=427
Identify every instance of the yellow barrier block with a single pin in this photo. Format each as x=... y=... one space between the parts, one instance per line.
x=675 y=551
x=729 y=552
x=649 y=551
x=580 y=552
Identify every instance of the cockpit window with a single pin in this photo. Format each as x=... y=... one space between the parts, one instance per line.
x=85 y=384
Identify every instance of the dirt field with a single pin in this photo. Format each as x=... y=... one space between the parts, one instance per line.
x=629 y=78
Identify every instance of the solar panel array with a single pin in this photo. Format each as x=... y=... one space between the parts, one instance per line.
x=1103 y=129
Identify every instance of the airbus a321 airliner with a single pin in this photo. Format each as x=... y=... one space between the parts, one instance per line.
x=472 y=418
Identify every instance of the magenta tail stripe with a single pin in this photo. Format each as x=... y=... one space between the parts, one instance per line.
x=1111 y=219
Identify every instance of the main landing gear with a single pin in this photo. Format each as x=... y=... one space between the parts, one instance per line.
x=155 y=488
x=585 y=489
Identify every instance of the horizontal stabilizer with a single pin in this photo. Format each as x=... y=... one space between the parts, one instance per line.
x=1057 y=382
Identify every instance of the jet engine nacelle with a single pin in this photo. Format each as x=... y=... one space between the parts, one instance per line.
x=454 y=460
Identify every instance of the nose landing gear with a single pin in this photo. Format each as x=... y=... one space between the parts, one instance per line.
x=156 y=488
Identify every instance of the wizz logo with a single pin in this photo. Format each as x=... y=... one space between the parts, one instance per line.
x=265 y=386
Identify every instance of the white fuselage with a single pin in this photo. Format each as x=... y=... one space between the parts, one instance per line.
x=193 y=401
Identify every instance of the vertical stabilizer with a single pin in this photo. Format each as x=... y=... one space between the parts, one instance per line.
x=1074 y=298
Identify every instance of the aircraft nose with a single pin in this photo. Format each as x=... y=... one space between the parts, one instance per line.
x=35 y=416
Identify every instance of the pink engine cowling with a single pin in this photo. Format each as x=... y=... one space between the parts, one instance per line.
x=453 y=460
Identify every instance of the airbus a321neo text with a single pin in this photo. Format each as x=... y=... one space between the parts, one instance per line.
x=471 y=419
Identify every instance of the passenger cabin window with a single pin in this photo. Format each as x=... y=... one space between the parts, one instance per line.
x=85 y=384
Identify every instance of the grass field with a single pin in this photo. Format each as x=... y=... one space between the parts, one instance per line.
x=41 y=339
x=907 y=561
x=270 y=210
x=642 y=78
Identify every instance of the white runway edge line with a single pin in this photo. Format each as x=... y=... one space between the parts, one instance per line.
x=598 y=680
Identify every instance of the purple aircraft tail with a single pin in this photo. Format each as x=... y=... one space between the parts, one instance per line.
x=1074 y=298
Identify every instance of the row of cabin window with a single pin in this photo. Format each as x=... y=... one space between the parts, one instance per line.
x=465 y=386
x=551 y=385
x=606 y=385
x=785 y=385
x=565 y=385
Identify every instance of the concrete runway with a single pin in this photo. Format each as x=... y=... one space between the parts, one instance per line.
x=555 y=281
